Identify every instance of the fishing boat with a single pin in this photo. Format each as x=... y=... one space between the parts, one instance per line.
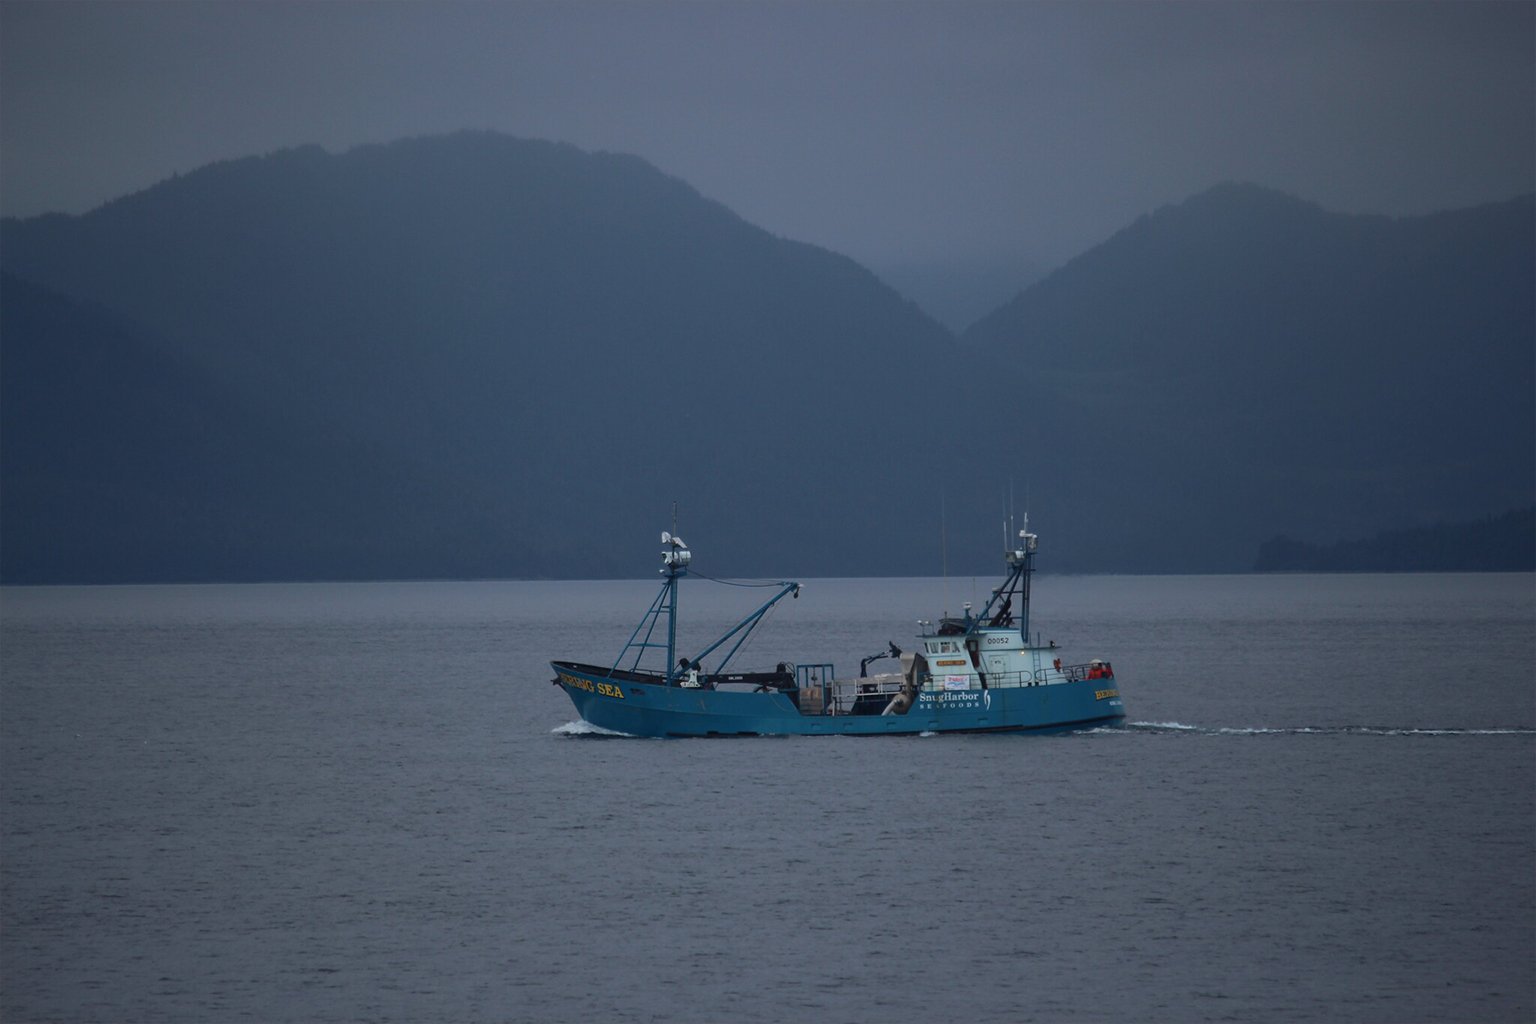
x=979 y=672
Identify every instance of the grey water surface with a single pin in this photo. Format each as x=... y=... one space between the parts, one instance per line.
x=366 y=803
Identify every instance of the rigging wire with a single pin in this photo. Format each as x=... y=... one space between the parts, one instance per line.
x=738 y=583
x=751 y=638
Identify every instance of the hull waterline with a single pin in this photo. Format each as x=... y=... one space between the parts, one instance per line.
x=649 y=709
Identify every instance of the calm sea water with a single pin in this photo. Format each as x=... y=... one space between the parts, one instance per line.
x=366 y=803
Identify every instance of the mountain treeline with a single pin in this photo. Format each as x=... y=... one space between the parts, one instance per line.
x=1248 y=357
x=1504 y=543
x=480 y=356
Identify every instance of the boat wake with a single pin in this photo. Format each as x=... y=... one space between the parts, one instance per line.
x=1307 y=730
x=586 y=730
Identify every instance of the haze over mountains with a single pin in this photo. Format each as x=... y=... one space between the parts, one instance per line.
x=1246 y=356
x=475 y=355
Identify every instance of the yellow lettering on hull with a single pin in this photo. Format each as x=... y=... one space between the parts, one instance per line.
x=602 y=689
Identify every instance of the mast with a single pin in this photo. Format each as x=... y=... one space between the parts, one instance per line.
x=1025 y=554
x=675 y=559
x=1000 y=610
x=674 y=565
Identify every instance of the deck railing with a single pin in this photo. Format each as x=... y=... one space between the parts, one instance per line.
x=1038 y=677
x=821 y=694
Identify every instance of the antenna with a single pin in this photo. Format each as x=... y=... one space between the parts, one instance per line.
x=944 y=547
x=675 y=555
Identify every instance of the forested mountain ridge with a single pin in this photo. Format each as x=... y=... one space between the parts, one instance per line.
x=547 y=338
x=1504 y=543
x=474 y=355
x=1246 y=356
x=124 y=461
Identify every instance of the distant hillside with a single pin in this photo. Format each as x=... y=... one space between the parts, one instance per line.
x=1246 y=360
x=474 y=355
x=554 y=344
x=958 y=293
x=123 y=461
x=1504 y=543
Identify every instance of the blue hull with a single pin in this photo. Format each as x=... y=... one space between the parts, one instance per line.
x=650 y=709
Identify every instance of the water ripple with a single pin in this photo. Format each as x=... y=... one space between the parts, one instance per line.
x=1315 y=730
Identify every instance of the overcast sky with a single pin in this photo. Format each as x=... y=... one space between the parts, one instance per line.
x=893 y=132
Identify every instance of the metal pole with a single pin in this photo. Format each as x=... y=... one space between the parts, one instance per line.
x=671 y=623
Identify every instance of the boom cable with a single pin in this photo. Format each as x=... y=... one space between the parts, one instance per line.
x=737 y=583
